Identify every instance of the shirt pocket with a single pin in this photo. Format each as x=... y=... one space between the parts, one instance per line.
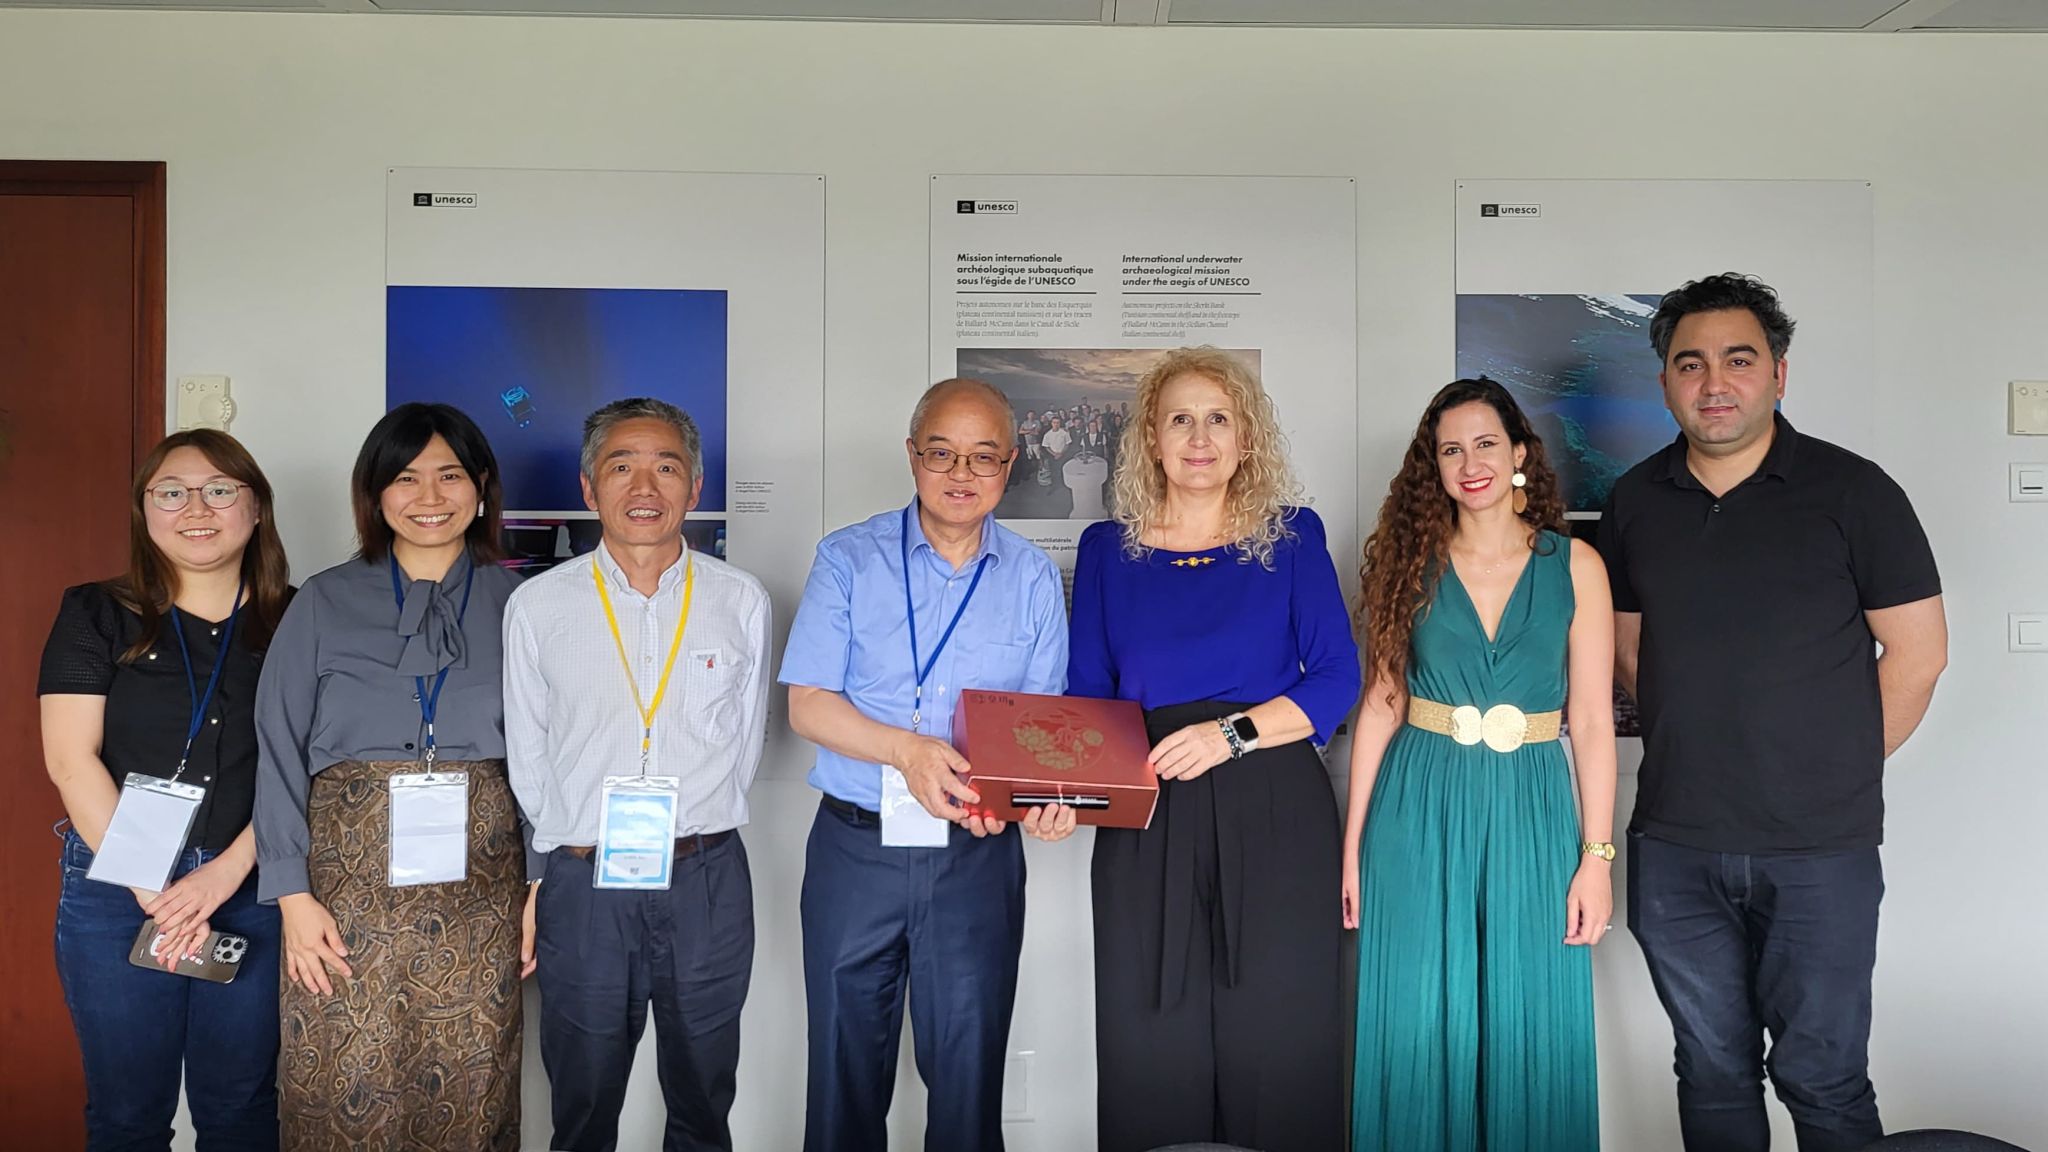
x=713 y=677
x=997 y=666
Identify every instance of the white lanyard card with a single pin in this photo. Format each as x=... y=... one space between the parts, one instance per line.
x=429 y=828
x=147 y=834
x=636 y=832
x=905 y=823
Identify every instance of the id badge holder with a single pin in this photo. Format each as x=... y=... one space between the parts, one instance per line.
x=636 y=833
x=147 y=834
x=905 y=823
x=429 y=828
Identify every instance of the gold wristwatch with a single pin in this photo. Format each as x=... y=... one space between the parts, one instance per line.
x=1603 y=851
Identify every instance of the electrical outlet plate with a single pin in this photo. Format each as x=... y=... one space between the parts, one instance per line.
x=203 y=402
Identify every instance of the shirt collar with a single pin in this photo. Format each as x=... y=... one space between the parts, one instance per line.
x=616 y=576
x=918 y=540
x=1671 y=465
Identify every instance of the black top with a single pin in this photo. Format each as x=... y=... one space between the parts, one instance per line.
x=1757 y=679
x=149 y=704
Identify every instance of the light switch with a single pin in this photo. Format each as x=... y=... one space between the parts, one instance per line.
x=2027 y=632
x=2029 y=482
x=2028 y=414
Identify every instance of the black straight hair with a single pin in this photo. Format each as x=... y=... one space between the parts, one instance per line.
x=392 y=446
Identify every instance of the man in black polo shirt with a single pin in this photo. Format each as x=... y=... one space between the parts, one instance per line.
x=1755 y=569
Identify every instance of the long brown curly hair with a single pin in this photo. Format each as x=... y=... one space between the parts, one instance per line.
x=1410 y=545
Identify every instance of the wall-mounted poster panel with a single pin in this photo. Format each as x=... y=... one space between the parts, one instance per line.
x=1557 y=281
x=1062 y=290
x=530 y=298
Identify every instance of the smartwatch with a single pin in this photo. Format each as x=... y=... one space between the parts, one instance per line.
x=1241 y=732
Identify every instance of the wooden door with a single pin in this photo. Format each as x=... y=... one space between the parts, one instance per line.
x=81 y=399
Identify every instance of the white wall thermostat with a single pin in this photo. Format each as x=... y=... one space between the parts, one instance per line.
x=203 y=402
x=2029 y=412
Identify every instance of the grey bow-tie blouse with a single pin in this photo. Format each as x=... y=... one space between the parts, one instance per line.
x=420 y=1047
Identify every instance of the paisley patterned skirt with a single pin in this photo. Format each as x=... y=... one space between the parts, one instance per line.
x=420 y=1050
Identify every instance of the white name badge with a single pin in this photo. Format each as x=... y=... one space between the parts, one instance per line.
x=147 y=834
x=905 y=823
x=429 y=828
x=636 y=832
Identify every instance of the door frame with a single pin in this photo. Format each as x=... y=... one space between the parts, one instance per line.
x=142 y=182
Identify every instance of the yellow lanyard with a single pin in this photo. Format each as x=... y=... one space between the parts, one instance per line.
x=647 y=711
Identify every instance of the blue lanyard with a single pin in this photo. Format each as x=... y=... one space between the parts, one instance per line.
x=220 y=659
x=923 y=671
x=430 y=702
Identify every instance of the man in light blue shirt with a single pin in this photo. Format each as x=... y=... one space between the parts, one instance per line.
x=902 y=612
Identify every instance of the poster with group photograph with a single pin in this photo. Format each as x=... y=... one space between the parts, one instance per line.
x=1557 y=281
x=531 y=298
x=1062 y=291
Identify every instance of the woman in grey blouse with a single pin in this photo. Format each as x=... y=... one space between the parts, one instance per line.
x=400 y=1007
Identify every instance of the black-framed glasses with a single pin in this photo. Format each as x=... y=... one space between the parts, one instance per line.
x=215 y=494
x=980 y=463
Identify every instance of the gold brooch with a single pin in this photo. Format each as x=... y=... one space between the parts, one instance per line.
x=1193 y=561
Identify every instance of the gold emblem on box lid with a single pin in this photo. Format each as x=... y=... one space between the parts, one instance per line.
x=1057 y=737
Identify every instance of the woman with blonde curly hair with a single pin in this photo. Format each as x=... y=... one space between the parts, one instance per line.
x=1475 y=883
x=1211 y=600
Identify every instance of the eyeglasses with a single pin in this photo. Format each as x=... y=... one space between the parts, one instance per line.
x=215 y=493
x=980 y=463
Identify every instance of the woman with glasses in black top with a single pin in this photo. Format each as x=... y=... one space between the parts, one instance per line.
x=144 y=674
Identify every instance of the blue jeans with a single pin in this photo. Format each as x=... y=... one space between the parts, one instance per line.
x=1741 y=945
x=141 y=1030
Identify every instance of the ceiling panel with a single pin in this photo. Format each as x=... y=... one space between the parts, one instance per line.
x=1727 y=14
x=2003 y=15
x=222 y=5
x=1036 y=11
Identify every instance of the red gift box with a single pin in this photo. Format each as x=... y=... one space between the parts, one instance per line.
x=1025 y=750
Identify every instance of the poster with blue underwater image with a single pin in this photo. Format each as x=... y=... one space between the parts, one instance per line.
x=1583 y=371
x=528 y=364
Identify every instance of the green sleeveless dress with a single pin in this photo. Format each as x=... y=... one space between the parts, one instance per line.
x=1475 y=1019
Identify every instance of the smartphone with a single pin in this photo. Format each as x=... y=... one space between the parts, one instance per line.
x=218 y=960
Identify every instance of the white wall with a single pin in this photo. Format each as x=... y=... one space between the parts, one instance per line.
x=278 y=129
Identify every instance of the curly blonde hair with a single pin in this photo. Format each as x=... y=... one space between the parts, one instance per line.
x=1261 y=489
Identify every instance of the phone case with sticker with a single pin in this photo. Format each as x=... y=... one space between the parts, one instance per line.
x=219 y=959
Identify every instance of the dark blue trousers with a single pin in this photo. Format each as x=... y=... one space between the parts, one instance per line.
x=1740 y=946
x=604 y=956
x=141 y=1029
x=949 y=922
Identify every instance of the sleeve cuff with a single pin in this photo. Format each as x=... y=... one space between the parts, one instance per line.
x=1909 y=594
x=277 y=878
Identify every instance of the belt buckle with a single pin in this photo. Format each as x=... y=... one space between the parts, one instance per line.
x=1467 y=725
x=1504 y=727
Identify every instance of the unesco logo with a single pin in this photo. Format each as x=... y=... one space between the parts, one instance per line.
x=1510 y=211
x=996 y=207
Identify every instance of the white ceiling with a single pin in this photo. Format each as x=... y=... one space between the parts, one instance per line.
x=1705 y=15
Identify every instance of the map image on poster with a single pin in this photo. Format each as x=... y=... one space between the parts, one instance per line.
x=1582 y=368
x=528 y=364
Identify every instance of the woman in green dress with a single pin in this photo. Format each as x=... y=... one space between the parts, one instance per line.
x=1474 y=877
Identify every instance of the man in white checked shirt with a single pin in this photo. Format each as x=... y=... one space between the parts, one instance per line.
x=642 y=660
